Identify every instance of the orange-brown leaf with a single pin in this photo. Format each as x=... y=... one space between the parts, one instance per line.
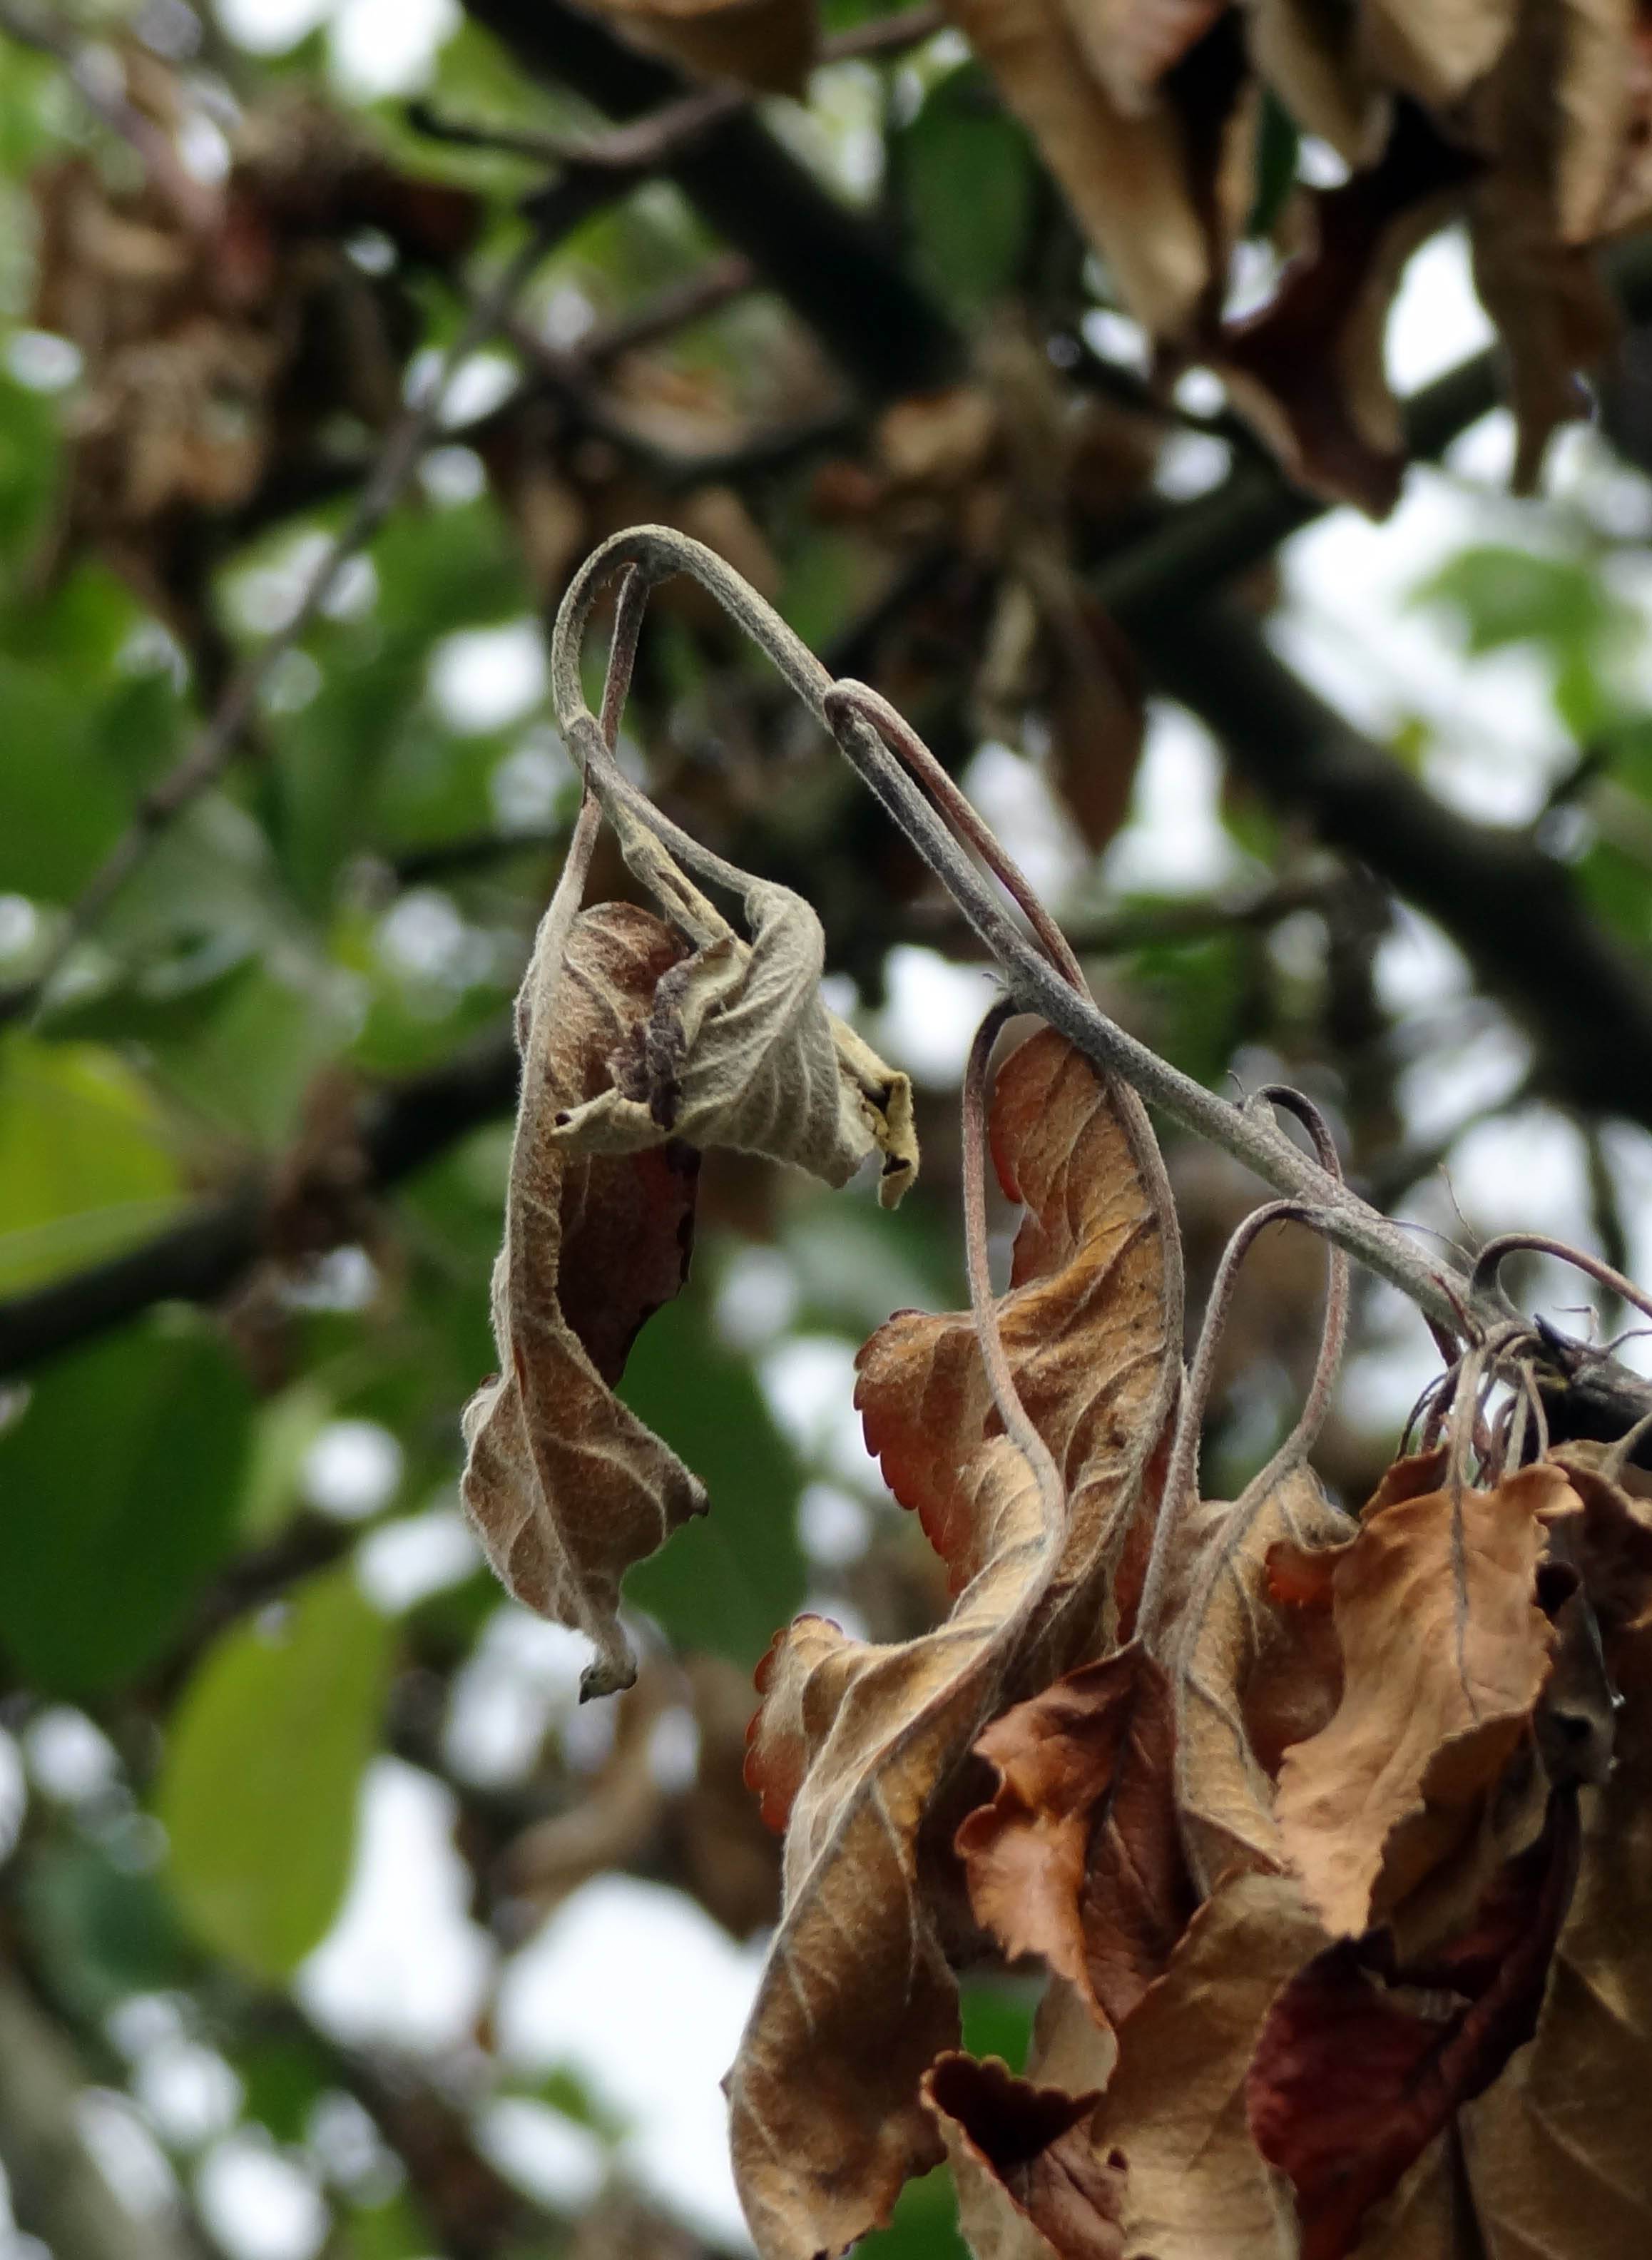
x=1445 y=1652
x=854 y=1742
x=1091 y=1324
x=565 y=1486
x=1079 y=1857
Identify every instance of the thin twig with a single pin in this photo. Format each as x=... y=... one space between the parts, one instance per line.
x=214 y=747
x=1483 y=1280
x=1033 y=982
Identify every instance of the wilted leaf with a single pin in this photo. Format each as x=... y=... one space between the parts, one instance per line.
x=1445 y=1651
x=766 y=44
x=1360 y=2066
x=1251 y=1676
x=263 y=1769
x=1097 y=718
x=1437 y=49
x=1022 y=2162
x=737 y=1048
x=1308 y=366
x=1196 y=2187
x=1160 y=194
x=1078 y=1856
x=1091 y=1325
x=853 y=1742
x=566 y=1487
x=112 y=1522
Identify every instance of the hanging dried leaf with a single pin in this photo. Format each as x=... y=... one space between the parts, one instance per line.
x=854 y=1742
x=565 y=1486
x=1436 y=50
x=1022 y=2161
x=1445 y=1653
x=1196 y=2187
x=767 y=45
x=1097 y=716
x=1307 y=368
x=738 y=1048
x=1160 y=194
x=1361 y=2065
x=1091 y=1325
x=1079 y=1857
x=1133 y=43
x=1251 y=1676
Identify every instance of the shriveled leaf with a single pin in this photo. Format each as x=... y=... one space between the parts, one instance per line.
x=854 y=1742
x=1445 y=1652
x=1307 y=368
x=1091 y=1326
x=1029 y=2182
x=767 y=45
x=1196 y=2187
x=1360 y=2066
x=1161 y=194
x=1556 y=2152
x=1251 y=1676
x=737 y=1048
x=1079 y=1857
x=1435 y=50
x=856 y=1999
x=566 y=1487
x=1098 y=716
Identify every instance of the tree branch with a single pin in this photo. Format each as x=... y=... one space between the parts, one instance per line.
x=196 y=1261
x=834 y=268
x=58 y=2192
x=1513 y=910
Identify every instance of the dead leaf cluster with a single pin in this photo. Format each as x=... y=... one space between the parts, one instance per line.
x=1328 y=1869
x=1528 y=120
x=225 y=344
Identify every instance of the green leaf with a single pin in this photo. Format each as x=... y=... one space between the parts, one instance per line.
x=970 y=180
x=84 y=1167
x=284 y=2077
x=101 y=1931
x=1513 y=595
x=924 y=2226
x=263 y=1769
x=121 y=1484
x=729 y=1580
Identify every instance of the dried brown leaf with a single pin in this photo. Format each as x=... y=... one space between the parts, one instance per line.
x=1132 y=44
x=1361 y=2065
x=767 y=45
x=1091 y=1326
x=1556 y=2152
x=1079 y=1857
x=1196 y=2186
x=1445 y=1652
x=1022 y=2162
x=854 y=1742
x=1307 y=368
x=565 y=1486
x=1161 y=194
x=1251 y=1676
x=1436 y=50
x=739 y=1049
